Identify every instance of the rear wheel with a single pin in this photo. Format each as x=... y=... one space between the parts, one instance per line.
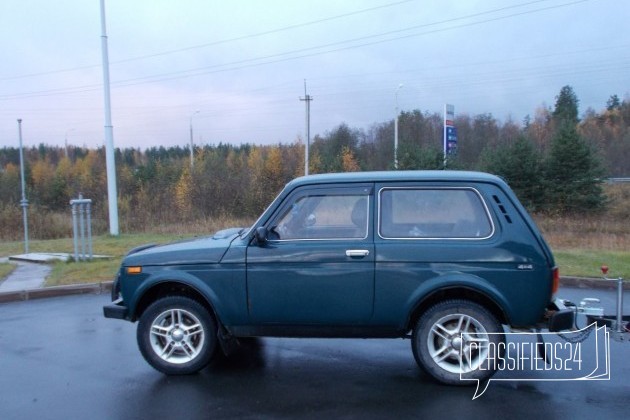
x=457 y=339
x=177 y=335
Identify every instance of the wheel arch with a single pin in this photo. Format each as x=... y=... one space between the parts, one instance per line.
x=457 y=292
x=172 y=288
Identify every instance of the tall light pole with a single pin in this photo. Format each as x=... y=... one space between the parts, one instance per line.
x=396 y=129
x=192 y=156
x=307 y=99
x=23 y=201
x=112 y=194
x=66 y=140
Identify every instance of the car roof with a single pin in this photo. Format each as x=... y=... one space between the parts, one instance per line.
x=387 y=176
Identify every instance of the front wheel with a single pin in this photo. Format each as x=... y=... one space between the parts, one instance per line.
x=457 y=339
x=177 y=335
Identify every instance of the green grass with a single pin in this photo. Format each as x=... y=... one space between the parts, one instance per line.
x=93 y=271
x=587 y=262
x=84 y=272
x=105 y=244
x=6 y=269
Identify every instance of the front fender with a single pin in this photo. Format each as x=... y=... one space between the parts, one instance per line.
x=174 y=276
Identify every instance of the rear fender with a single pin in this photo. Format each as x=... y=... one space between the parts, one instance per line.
x=456 y=285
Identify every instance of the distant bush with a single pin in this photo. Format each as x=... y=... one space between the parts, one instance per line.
x=42 y=223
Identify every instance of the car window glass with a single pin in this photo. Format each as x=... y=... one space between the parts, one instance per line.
x=433 y=213
x=324 y=217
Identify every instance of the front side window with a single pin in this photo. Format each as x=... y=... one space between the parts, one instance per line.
x=324 y=217
x=449 y=213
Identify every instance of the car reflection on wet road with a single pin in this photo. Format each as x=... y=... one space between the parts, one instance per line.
x=59 y=358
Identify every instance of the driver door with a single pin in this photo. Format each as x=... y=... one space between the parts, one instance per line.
x=317 y=266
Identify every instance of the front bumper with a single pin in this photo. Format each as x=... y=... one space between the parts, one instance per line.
x=116 y=310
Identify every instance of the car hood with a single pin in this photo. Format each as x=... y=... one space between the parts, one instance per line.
x=204 y=250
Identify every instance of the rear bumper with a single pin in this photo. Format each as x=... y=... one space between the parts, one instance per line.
x=116 y=310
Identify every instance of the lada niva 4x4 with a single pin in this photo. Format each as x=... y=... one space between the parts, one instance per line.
x=448 y=259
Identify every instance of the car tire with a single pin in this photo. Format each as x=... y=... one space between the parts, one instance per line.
x=458 y=339
x=177 y=335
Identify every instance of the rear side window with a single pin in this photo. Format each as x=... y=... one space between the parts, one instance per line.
x=433 y=213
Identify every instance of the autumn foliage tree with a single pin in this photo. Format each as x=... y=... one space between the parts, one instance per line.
x=552 y=160
x=348 y=161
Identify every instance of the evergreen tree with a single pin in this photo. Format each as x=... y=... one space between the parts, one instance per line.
x=566 y=110
x=520 y=164
x=613 y=103
x=416 y=157
x=573 y=174
x=572 y=170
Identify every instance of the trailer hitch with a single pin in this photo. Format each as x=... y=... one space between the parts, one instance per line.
x=619 y=324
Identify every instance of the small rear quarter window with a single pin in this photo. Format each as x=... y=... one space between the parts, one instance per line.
x=433 y=213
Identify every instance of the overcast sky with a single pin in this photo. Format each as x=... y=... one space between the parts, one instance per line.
x=242 y=64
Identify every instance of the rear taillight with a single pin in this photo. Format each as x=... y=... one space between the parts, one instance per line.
x=556 y=280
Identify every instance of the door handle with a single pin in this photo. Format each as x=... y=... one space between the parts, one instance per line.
x=357 y=253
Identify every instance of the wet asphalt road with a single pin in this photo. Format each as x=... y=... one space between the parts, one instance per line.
x=60 y=359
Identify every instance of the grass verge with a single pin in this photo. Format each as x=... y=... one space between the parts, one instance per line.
x=6 y=269
x=587 y=263
x=84 y=272
x=95 y=271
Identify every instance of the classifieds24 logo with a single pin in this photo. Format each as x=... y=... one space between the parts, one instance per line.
x=526 y=356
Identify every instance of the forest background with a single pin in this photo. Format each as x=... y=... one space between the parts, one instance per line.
x=556 y=162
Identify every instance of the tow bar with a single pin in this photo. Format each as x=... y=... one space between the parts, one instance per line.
x=618 y=325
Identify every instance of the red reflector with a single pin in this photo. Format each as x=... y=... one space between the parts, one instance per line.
x=556 y=280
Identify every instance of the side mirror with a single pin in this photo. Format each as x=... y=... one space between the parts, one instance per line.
x=261 y=235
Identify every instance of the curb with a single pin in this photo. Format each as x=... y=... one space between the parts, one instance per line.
x=55 y=291
x=592 y=283
x=106 y=286
x=28 y=258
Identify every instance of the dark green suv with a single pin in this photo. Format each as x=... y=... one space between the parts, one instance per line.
x=445 y=258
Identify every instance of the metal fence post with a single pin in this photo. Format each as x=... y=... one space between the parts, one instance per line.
x=74 y=231
x=89 y=228
x=81 y=226
x=82 y=209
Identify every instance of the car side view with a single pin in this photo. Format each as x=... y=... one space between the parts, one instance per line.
x=448 y=259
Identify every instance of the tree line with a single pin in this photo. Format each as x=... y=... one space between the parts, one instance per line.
x=554 y=161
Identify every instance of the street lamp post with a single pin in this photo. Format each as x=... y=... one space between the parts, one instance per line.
x=192 y=157
x=396 y=129
x=110 y=161
x=307 y=100
x=23 y=201
x=66 y=140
